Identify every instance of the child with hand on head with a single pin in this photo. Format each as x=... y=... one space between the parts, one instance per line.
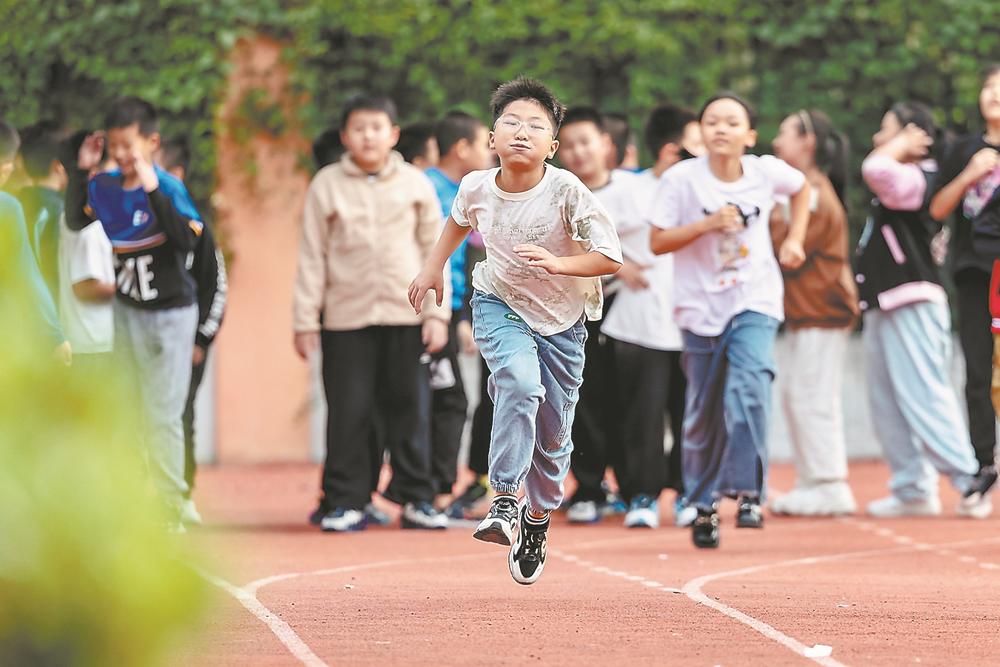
x=907 y=324
x=712 y=213
x=548 y=240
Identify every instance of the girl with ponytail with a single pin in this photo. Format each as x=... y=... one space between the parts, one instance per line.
x=820 y=311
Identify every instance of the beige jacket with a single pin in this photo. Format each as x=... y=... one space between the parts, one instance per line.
x=364 y=238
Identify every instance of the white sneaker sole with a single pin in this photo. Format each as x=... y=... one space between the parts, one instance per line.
x=494 y=531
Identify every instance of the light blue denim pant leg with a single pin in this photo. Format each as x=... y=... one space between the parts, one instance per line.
x=534 y=383
x=158 y=345
x=728 y=407
x=914 y=409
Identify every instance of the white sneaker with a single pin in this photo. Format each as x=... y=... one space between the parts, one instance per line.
x=892 y=506
x=829 y=499
x=643 y=512
x=684 y=515
x=189 y=513
x=423 y=516
x=583 y=512
x=976 y=506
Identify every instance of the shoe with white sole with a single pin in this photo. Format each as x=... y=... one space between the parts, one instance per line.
x=342 y=520
x=824 y=499
x=500 y=523
x=584 y=511
x=976 y=501
x=189 y=513
x=423 y=516
x=643 y=512
x=891 y=507
x=526 y=559
x=684 y=514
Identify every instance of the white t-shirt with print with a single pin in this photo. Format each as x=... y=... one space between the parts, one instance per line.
x=559 y=214
x=642 y=317
x=85 y=255
x=720 y=275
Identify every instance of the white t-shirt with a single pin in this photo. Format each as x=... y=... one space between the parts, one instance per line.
x=559 y=214
x=85 y=255
x=720 y=275
x=642 y=317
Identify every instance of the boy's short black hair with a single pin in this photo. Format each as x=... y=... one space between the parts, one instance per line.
x=10 y=142
x=455 y=126
x=617 y=127
x=523 y=88
x=328 y=148
x=368 y=102
x=175 y=153
x=131 y=110
x=729 y=95
x=666 y=125
x=989 y=71
x=39 y=148
x=584 y=115
x=413 y=140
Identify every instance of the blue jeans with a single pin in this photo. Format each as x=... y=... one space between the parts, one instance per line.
x=534 y=383
x=914 y=409
x=728 y=407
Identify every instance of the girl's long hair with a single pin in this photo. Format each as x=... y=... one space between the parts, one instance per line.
x=832 y=148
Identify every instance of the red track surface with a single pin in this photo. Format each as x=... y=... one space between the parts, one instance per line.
x=886 y=592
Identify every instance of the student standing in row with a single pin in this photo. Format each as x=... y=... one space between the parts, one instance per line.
x=370 y=221
x=821 y=308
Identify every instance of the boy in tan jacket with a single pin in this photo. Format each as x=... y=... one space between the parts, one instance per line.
x=369 y=224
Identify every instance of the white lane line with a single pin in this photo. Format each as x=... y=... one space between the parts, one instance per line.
x=247 y=596
x=281 y=630
x=693 y=588
x=919 y=546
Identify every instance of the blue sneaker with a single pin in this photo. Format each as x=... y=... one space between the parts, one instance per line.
x=643 y=512
x=684 y=514
x=377 y=516
x=341 y=520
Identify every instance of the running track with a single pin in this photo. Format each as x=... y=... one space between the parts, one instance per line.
x=907 y=591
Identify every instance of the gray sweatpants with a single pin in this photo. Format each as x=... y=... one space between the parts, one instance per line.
x=156 y=347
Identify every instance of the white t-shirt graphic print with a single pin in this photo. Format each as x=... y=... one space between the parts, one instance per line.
x=720 y=275
x=559 y=214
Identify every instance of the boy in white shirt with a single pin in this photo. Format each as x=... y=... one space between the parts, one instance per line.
x=548 y=240
x=713 y=213
x=86 y=291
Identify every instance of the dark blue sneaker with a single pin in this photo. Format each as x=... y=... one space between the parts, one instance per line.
x=423 y=516
x=342 y=520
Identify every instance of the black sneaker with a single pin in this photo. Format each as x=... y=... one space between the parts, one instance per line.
x=500 y=523
x=527 y=555
x=976 y=501
x=748 y=514
x=472 y=495
x=705 y=529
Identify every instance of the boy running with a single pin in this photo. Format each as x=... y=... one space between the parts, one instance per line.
x=548 y=240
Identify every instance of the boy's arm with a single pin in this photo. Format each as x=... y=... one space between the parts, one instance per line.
x=428 y=231
x=792 y=253
x=431 y=277
x=310 y=277
x=92 y=290
x=177 y=217
x=78 y=213
x=209 y=271
x=591 y=264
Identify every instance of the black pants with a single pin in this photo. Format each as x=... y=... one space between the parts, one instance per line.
x=596 y=434
x=448 y=410
x=674 y=477
x=482 y=426
x=197 y=375
x=973 y=288
x=368 y=372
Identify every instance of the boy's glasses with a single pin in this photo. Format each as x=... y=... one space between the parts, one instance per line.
x=512 y=125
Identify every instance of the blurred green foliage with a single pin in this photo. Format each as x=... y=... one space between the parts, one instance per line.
x=88 y=575
x=66 y=58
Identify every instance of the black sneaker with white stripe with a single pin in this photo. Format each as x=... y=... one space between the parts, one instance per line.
x=527 y=554
x=500 y=523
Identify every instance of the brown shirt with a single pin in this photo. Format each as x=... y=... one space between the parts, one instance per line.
x=820 y=293
x=364 y=238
